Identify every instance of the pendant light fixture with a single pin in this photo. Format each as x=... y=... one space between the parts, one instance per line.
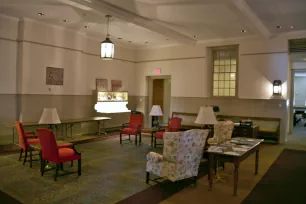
x=107 y=46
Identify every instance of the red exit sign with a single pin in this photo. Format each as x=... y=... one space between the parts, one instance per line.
x=158 y=71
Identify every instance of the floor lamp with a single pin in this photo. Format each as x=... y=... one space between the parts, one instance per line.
x=206 y=116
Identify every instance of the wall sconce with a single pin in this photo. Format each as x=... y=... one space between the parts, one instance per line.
x=277 y=87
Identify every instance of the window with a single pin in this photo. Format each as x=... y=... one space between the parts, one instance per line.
x=225 y=71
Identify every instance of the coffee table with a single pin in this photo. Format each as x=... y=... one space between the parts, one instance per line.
x=235 y=151
x=151 y=131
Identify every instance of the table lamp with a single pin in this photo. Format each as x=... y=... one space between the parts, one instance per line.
x=206 y=116
x=156 y=111
x=49 y=117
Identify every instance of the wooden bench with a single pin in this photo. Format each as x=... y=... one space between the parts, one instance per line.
x=269 y=128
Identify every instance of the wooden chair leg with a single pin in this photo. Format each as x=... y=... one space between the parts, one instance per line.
x=25 y=157
x=56 y=171
x=79 y=167
x=120 y=138
x=129 y=137
x=62 y=166
x=21 y=151
x=139 y=138
x=31 y=158
x=72 y=163
x=135 y=139
x=147 y=177
x=42 y=167
x=155 y=142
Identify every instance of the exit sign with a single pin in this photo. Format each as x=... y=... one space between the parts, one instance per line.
x=158 y=71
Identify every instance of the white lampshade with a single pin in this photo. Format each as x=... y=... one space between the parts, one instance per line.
x=49 y=116
x=206 y=116
x=107 y=49
x=156 y=111
x=20 y=118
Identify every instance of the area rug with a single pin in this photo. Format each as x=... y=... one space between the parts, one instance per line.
x=110 y=172
x=284 y=182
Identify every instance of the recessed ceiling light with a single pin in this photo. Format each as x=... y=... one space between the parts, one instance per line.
x=41 y=14
x=291 y=27
x=86 y=26
x=243 y=31
x=279 y=26
x=65 y=21
x=195 y=36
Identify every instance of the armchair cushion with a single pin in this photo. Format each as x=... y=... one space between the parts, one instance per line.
x=181 y=156
x=129 y=131
x=67 y=154
x=34 y=141
x=31 y=137
x=159 y=135
x=68 y=145
x=154 y=157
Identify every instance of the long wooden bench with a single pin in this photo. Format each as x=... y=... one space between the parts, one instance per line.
x=269 y=128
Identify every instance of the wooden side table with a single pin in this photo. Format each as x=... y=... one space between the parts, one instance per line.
x=151 y=131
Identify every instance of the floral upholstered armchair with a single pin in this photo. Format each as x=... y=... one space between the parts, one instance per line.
x=181 y=157
x=222 y=132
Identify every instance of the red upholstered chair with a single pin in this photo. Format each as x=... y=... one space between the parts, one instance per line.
x=57 y=154
x=25 y=140
x=174 y=125
x=133 y=127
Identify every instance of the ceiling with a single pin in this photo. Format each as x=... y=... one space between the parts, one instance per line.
x=145 y=23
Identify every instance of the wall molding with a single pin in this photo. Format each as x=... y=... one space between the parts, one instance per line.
x=265 y=53
x=131 y=61
x=171 y=59
x=60 y=47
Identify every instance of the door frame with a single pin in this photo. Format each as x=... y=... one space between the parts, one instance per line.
x=291 y=108
x=150 y=95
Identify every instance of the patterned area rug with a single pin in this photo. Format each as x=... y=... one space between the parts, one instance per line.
x=110 y=172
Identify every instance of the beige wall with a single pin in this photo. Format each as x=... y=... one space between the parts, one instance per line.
x=260 y=63
x=27 y=47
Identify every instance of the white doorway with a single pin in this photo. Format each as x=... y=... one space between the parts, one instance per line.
x=298 y=99
x=159 y=93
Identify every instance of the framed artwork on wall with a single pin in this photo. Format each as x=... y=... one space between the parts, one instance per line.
x=54 y=76
x=101 y=84
x=116 y=85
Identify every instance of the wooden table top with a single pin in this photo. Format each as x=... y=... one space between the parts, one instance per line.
x=68 y=121
x=236 y=147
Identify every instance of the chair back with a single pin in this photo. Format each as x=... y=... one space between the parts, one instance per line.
x=185 y=149
x=136 y=121
x=21 y=135
x=48 y=144
x=222 y=132
x=174 y=124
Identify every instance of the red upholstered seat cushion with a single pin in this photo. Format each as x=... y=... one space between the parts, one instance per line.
x=67 y=154
x=34 y=141
x=159 y=135
x=129 y=131
x=68 y=145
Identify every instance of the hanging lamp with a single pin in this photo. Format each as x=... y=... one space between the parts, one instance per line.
x=107 y=46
